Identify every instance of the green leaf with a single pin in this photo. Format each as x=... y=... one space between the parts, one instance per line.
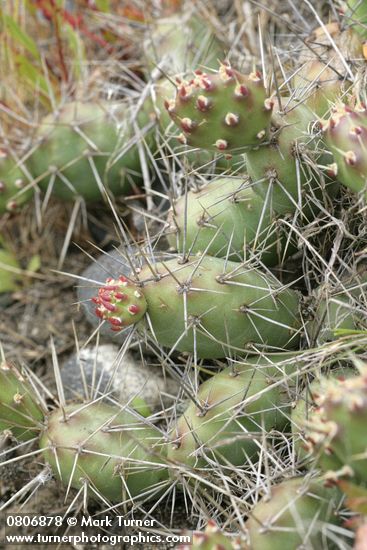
x=77 y=48
x=34 y=263
x=33 y=74
x=347 y=331
x=140 y=405
x=20 y=36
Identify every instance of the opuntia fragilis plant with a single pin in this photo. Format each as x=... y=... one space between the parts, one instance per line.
x=184 y=300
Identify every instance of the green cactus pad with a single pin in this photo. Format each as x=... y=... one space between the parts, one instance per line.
x=15 y=188
x=112 y=450
x=295 y=515
x=211 y=162
x=20 y=412
x=233 y=409
x=216 y=307
x=336 y=431
x=224 y=112
x=120 y=303
x=224 y=218
x=346 y=135
x=86 y=148
x=278 y=169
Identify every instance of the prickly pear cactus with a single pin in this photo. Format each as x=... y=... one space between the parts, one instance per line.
x=296 y=514
x=336 y=432
x=308 y=401
x=279 y=169
x=20 y=412
x=213 y=539
x=231 y=411
x=111 y=450
x=224 y=111
x=212 y=162
x=212 y=307
x=227 y=219
x=346 y=135
x=15 y=188
x=181 y=42
x=184 y=306
x=86 y=149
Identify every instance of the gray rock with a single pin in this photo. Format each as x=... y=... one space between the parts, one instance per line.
x=105 y=370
